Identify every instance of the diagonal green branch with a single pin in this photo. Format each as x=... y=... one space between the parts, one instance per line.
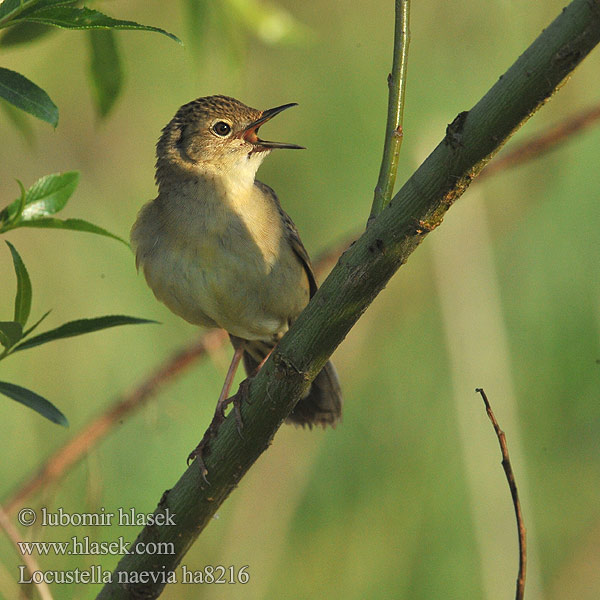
x=59 y=463
x=393 y=128
x=362 y=272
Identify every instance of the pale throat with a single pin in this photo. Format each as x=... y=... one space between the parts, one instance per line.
x=233 y=181
x=232 y=189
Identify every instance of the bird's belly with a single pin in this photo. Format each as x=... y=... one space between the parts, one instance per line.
x=233 y=287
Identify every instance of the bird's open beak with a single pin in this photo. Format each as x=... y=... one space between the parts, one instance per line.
x=250 y=134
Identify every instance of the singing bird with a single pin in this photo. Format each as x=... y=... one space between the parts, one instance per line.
x=217 y=248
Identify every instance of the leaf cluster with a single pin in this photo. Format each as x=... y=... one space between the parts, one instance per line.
x=24 y=21
x=34 y=208
x=28 y=20
x=37 y=205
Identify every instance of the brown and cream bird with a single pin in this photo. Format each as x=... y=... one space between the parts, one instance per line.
x=217 y=248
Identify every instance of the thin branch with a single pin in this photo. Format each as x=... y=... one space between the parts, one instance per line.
x=393 y=129
x=510 y=477
x=544 y=142
x=13 y=535
x=362 y=272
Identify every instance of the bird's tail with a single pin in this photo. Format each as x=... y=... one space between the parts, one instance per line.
x=320 y=405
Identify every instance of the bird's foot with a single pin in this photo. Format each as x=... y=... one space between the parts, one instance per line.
x=241 y=397
x=203 y=448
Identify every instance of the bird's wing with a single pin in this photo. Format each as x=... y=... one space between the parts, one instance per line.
x=294 y=238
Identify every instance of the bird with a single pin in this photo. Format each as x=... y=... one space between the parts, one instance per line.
x=216 y=247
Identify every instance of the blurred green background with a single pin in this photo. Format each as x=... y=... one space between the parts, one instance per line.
x=407 y=498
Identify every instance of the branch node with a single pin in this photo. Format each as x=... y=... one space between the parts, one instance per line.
x=455 y=129
x=285 y=368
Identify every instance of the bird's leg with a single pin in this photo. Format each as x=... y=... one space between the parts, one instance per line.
x=262 y=362
x=219 y=416
x=244 y=385
x=235 y=362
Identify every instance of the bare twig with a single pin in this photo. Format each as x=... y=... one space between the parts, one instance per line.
x=28 y=559
x=547 y=140
x=514 y=494
x=393 y=129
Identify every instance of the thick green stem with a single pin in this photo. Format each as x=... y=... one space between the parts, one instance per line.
x=393 y=128
x=362 y=271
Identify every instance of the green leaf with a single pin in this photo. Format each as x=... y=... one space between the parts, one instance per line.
x=12 y=213
x=24 y=94
x=11 y=9
x=73 y=224
x=23 y=297
x=24 y=33
x=105 y=69
x=46 y=196
x=50 y=194
x=10 y=333
x=34 y=326
x=22 y=200
x=34 y=401
x=69 y=17
x=79 y=327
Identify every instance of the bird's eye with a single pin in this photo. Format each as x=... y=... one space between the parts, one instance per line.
x=221 y=128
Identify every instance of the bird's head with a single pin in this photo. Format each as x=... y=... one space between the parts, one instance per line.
x=217 y=133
